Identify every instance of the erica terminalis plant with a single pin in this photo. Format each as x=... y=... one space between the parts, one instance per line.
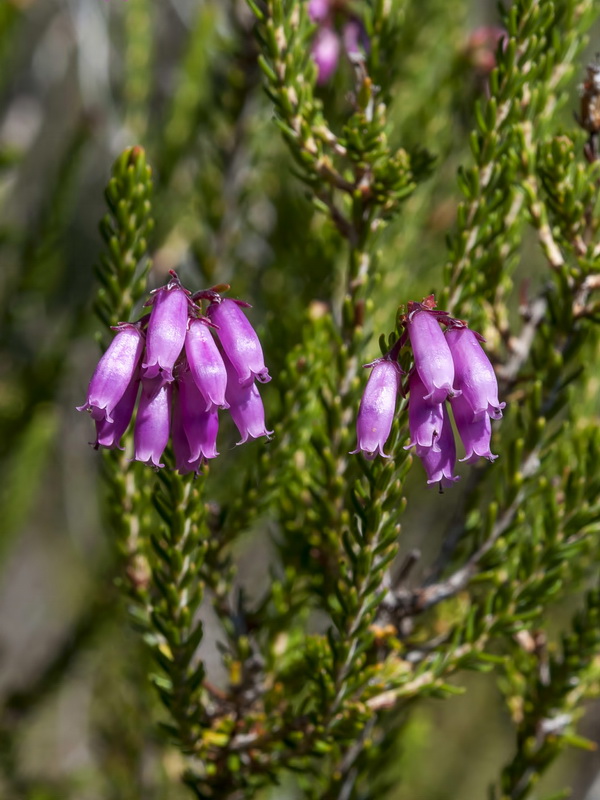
x=324 y=662
x=165 y=376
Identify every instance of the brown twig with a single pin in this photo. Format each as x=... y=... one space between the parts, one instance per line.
x=408 y=603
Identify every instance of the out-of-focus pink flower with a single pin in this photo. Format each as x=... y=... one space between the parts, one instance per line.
x=355 y=39
x=319 y=10
x=482 y=46
x=339 y=30
x=326 y=47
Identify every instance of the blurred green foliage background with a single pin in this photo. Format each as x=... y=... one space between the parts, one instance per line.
x=79 y=81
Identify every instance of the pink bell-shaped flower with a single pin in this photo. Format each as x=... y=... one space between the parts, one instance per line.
x=475 y=433
x=239 y=340
x=114 y=372
x=475 y=375
x=108 y=434
x=439 y=464
x=179 y=440
x=152 y=425
x=325 y=52
x=165 y=336
x=377 y=408
x=425 y=421
x=206 y=364
x=245 y=406
x=200 y=426
x=433 y=360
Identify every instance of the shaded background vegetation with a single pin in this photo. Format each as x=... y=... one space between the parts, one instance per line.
x=79 y=81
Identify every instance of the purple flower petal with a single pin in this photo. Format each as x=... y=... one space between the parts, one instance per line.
x=474 y=433
x=424 y=420
x=239 y=341
x=245 y=406
x=152 y=424
x=433 y=360
x=165 y=335
x=474 y=373
x=439 y=464
x=206 y=364
x=318 y=10
x=355 y=38
x=114 y=372
x=325 y=52
x=108 y=434
x=200 y=426
x=377 y=408
x=181 y=446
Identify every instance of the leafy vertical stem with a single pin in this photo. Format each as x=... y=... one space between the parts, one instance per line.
x=178 y=545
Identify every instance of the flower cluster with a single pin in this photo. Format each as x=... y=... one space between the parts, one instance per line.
x=329 y=42
x=188 y=366
x=448 y=366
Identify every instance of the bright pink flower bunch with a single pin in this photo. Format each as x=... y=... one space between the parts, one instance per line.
x=451 y=372
x=188 y=366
